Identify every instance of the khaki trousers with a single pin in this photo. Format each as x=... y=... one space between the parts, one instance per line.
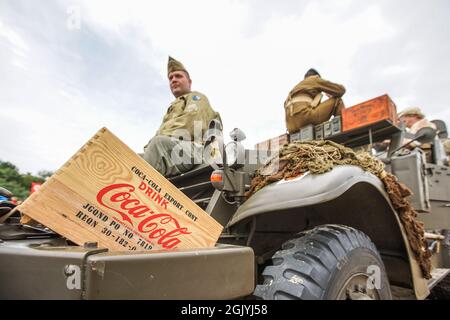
x=171 y=156
x=304 y=115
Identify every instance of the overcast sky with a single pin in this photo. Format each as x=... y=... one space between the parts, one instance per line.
x=68 y=68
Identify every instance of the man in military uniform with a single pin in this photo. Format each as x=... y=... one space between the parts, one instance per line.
x=304 y=104
x=414 y=119
x=178 y=144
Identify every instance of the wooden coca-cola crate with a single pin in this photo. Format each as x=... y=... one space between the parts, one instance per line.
x=107 y=194
x=372 y=111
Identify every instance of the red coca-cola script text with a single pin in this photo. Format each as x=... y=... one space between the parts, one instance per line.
x=119 y=198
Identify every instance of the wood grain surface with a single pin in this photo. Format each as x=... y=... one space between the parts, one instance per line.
x=106 y=193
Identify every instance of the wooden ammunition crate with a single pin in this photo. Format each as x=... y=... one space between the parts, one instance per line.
x=265 y=145
x=107 y=194
x=278 y=142
x=372 y=111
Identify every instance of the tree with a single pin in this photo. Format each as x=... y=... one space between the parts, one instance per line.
x=18 y=184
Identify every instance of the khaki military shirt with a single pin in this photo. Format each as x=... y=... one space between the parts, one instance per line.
x=184 y=112
x=314 y=85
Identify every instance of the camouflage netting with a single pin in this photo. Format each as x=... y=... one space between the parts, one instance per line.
x=319 y=157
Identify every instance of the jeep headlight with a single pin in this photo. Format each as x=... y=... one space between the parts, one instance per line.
x=235 y=152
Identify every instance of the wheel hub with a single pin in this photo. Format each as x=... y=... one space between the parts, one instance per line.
x=357 y=288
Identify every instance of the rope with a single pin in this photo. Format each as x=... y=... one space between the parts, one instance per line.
x=318 y=157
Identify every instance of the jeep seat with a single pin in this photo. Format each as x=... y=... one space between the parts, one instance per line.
x=439 y=155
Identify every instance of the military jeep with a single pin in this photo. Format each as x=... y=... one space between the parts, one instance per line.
x=330 y=236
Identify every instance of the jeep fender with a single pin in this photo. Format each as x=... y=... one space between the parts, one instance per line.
x=346 y=195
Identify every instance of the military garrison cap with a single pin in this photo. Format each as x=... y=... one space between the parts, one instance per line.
x=174 y=65
x=412 y=112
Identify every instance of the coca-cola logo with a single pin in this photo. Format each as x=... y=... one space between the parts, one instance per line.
x=119 y=198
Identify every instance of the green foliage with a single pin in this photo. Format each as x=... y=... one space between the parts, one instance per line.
x=19 y=184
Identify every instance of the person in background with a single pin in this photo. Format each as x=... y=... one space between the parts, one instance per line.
x=304 y=105
x=414 y=120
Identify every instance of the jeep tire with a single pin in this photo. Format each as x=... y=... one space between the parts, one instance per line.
x=326 y=263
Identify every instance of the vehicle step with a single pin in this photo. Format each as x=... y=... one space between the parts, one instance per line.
x=437 y=275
